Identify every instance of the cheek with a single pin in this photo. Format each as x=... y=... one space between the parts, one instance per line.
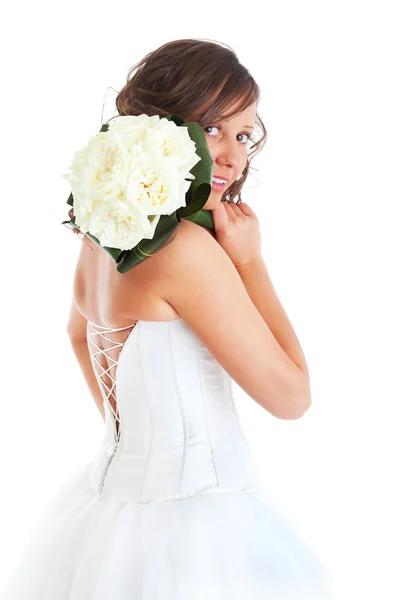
x=212 y=149
x=244 y=159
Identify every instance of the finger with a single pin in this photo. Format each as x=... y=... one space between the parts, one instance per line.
x=220 y=217
x=233 y=212
x=246 y=209
x=235 y=208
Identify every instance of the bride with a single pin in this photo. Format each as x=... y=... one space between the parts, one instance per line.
x=170 y=507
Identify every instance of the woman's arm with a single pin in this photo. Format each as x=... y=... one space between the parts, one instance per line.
x=259 y=287
x=76 y=330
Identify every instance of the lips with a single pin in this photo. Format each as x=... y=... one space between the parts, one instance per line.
x=218 y=187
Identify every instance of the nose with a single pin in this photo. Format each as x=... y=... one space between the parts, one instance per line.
x=228 y=155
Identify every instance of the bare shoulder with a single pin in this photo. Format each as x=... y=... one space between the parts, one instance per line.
x=190 y=238
x=188 y=230
x=203 y=286
x=194 y=265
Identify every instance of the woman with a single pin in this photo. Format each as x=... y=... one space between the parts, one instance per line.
x=170 y=508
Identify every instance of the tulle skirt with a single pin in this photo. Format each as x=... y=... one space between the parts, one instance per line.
x=217 y=546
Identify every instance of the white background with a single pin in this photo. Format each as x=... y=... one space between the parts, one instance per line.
x=326 y=194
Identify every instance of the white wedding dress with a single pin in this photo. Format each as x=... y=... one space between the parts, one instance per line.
x=170 y=507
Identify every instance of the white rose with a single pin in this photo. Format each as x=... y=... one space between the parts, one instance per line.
x=127 y=177
x=153 y=187
x=173 y=144
x=146 y=135
x=115 y=229
x=128 y=130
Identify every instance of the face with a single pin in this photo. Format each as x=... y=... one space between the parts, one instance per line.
x=228 y=142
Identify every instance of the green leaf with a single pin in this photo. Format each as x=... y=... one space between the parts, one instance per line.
x=164 y=234
x=200 y=188
x=203 y=217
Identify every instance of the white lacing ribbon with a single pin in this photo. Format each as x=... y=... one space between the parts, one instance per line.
x=100 y=370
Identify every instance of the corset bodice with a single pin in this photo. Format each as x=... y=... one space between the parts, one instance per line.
x=175 y=430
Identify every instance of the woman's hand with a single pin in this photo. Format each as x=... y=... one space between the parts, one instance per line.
x=237 y=231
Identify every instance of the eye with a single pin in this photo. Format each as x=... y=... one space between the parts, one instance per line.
x=211 y=127
x=248 y=137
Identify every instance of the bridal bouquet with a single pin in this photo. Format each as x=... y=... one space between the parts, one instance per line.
x=134 y=182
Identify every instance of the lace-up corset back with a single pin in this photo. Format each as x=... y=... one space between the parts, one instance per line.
x=105 y=345
x=178 y=431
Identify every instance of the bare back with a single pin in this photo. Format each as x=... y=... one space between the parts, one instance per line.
x=109 y=298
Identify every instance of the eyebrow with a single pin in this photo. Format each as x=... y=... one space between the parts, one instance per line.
x=248 y=126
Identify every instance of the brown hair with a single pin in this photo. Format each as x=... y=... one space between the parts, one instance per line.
x=191 y=77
